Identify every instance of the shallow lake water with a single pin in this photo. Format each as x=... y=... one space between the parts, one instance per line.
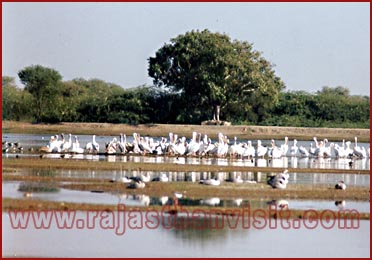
x=313 y=178
x=11 y=189
x=162 y=241
x=157 y=237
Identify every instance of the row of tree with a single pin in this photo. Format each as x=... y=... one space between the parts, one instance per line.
x=197 y=76
x=94 y=100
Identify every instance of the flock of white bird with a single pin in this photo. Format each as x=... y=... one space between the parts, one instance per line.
x=197 y=146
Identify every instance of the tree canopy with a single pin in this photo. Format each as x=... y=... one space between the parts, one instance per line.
x=94 y=100
x=42 y=84
x=210 y=71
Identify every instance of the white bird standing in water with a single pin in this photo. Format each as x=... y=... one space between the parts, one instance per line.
x=137 y=184
x=281 y=204
x=275 y=152
x=261 y=150
x=212 y=182
x=294 y=149
x=303 y=151
x=92 y=146
x=67 y=145
x=284 y=147
x=359 y=151
x=340 y=185
x=280 y=180
x=76 y=147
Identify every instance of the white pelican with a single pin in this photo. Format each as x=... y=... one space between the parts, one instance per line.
x=280 y=180
x=294 y=149
x=303 y=151
x=180 y=146
x=137 y=184
x=161 y=148
x=222 y=147
x=284 y=147
x=209 y=148
x=235 y=150
x=163 y=200
x=349 y=152
x=275 y=152
x=340 y=185
x=203 y=145
x=238 y=202
x=67 y=145
x=162 y=178
x=238 y=179
x=326 y=149
x=281 y=204
x=211 y=201
x=124 y=179
x=178 y=195
x=76 y=147
x=249 y=150
x=212 y=182
x=54 y=146
x=340 y=204
x=194 y=145
x=359 y=151
x=261 y=150
x=339 y=151
x=312 y=150
x=122 y=143
x=145 y=177
x=136 y=141
x=92 y=146
x=144 y=199
x=112 y=146
x=144 y=145
x=59 y=143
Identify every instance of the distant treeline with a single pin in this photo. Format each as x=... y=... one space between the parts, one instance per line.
x=94 y=100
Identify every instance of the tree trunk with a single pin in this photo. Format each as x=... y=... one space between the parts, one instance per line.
x=216 y=113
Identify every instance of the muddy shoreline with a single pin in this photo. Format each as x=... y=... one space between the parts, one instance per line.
x=158 y=189
x=240 y=131
x=61 y=163
x=192 y=190
x=36 y=205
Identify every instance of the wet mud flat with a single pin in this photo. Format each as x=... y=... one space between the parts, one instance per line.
x=240 y=131
x=191 y=190
x=62 y=163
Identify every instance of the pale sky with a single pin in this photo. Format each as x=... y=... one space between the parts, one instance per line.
x=311 y=44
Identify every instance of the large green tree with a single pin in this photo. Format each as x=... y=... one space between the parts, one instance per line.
x=44 y=85
x=211 y=73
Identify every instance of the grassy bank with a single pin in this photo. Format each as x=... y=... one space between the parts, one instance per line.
x=240 y=131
